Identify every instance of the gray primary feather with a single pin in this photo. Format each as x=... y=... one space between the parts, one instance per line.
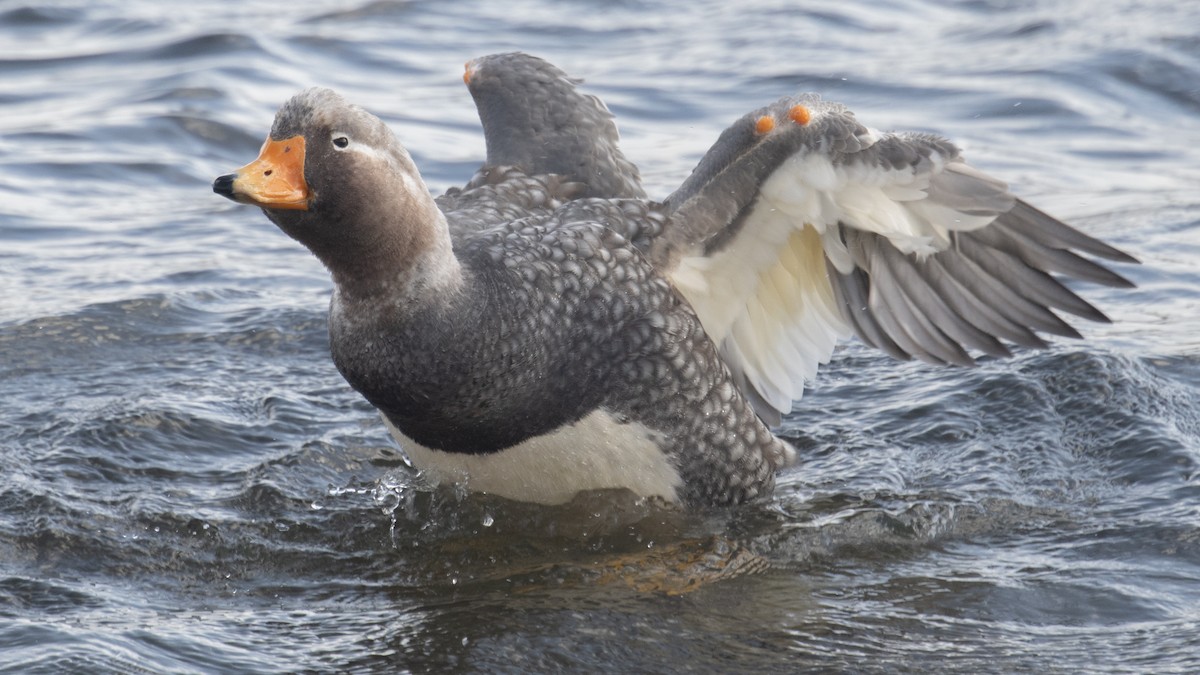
x=988 y=284
x=962 y=188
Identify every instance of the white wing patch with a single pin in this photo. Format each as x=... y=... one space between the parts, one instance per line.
x=767 y=303
x=766 y=298
x=895 y=203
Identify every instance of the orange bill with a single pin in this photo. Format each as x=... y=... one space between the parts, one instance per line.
x=275 y=180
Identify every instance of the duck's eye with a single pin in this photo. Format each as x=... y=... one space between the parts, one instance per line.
x=341 y=141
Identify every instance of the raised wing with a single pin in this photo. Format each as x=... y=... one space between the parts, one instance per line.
x=801 y=226
x=535 y=119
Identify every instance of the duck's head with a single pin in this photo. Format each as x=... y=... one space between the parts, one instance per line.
x=334 y=177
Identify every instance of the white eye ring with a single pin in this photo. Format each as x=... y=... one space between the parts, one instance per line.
x=340 y=141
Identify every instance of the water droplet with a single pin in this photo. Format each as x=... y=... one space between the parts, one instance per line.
x=488 y=520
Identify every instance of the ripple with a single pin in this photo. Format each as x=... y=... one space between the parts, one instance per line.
x=32 y=597
x=223 y=44
x=33 y=17
x=370 y=11
x=1160 y=76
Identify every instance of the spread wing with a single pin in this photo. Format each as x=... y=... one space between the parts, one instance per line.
x=801 y=226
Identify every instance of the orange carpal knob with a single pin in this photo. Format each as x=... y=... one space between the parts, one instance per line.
x=764 y=124
x=799 y=114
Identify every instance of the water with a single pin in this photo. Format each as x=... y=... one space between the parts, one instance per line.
x=186 y=484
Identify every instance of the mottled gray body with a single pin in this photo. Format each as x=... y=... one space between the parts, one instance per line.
x=561 y=315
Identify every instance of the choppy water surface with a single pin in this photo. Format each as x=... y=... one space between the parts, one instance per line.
x=186 y=484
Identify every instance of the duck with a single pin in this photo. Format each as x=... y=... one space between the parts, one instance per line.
x=548 y=329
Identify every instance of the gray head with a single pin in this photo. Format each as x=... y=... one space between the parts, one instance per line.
x=334 y=177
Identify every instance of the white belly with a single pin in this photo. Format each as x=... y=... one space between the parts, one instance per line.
x=594 y=453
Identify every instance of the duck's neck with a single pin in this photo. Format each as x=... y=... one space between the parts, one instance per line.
x=392 y=247
x=410 y=261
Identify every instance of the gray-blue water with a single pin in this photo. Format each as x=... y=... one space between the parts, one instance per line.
x=187 y=485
